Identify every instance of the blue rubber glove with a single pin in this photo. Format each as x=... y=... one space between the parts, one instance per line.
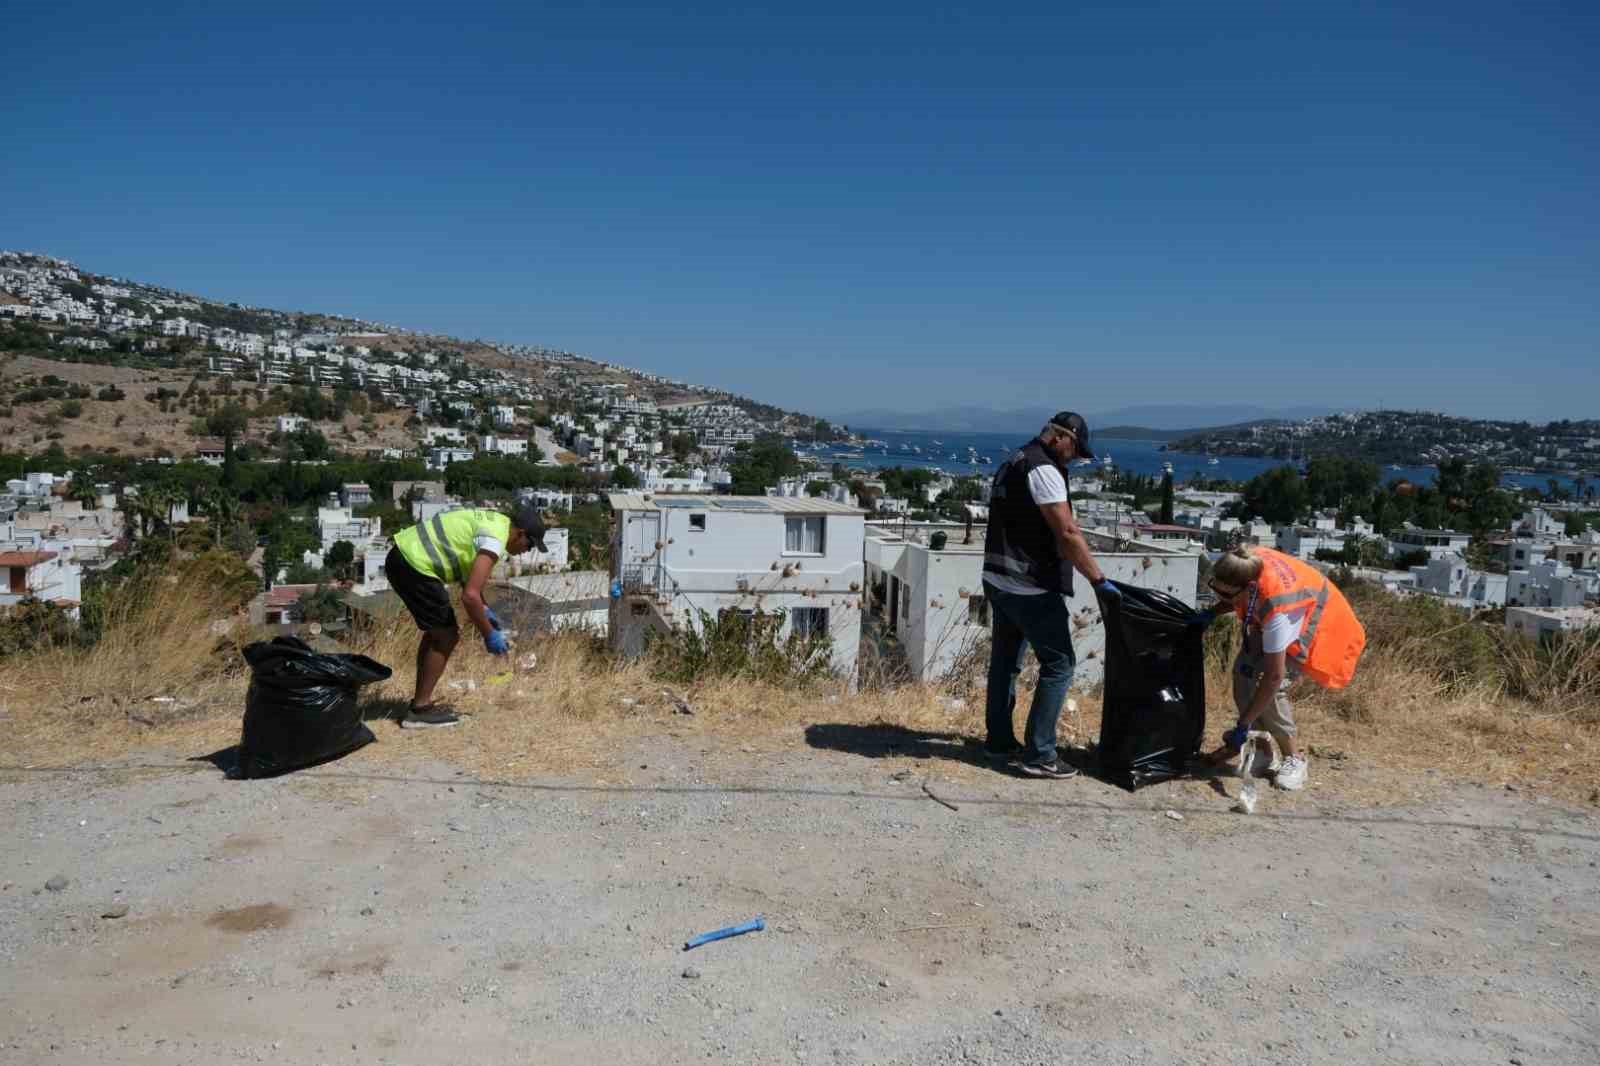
x=1235 y=737
x=495 y=643
x=1108 y=590
x=1201 y=619
x=494 y=619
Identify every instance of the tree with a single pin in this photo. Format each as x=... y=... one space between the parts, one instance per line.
x=227 y=422
x=1166 y=499
x=340 y=559
x=623 y=478
x=1277 y=495
x=82 y=488
x=322 y=604
x=762 y=463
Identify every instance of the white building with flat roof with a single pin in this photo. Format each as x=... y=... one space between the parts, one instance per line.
x=499 y=445
x=1451 y=579
x=1544 y=623
x=932 y=599
x=677 y=558
x=1436 y=542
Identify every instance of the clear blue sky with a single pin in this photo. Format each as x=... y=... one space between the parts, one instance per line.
x=837 y=209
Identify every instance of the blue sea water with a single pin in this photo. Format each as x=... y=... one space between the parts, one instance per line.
x=980 y=453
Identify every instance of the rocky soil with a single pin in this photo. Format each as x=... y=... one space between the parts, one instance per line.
x=154 y=912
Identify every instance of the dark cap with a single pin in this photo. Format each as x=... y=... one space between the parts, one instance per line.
x=531 y=522
x=1073 y=422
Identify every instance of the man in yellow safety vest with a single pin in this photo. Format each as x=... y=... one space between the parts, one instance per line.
x=459 y=546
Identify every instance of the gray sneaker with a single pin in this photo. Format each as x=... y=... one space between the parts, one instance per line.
x=1055 y=768
x=435 y=717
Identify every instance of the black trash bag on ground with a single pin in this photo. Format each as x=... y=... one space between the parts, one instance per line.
x=1155 y=687
x=302 y=706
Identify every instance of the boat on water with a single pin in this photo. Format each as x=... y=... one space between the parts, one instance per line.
x=1212 y=461
x=1166 y=468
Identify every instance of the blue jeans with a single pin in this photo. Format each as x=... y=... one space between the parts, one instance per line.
x=1044 y=623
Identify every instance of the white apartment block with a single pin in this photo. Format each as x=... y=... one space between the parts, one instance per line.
x=677 y=557
x=504 y=417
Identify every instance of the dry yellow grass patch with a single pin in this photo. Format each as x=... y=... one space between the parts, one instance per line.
x=577 y=706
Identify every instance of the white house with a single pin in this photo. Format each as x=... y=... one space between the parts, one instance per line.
x=290 y=423
x=439 y=458
x=1303 y=542
x=338 y=523
x=1537 y=522
x=1543 y=623
x=576 y=599
x=1452 y=579
x=1436 y=542
x=355 y=494
x=932 y=598
x=446 y=434
x=675 y=557
x=1546 y=584
x=50 y=576
x=504 y=417
x=505 y=445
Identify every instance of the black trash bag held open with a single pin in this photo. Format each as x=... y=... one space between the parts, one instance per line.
x=302 y=706
x=1155 y=687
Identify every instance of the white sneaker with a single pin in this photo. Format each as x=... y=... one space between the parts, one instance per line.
x=1292 y=774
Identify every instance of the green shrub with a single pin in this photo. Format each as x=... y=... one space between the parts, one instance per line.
x=738 y=645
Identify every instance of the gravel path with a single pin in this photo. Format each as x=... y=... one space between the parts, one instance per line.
x=343 y=915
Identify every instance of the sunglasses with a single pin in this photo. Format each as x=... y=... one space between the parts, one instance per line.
x=1223 y=590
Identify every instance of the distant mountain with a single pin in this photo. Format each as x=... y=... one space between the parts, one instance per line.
x=1161 y=418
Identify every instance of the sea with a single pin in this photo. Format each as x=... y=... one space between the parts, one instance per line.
x=980 y=453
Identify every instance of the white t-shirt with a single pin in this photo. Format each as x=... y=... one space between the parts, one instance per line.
x=488 y=542
x=1281 y=630
x=1045 y=485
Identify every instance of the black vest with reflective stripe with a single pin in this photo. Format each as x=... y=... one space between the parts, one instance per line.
x=1019 y=542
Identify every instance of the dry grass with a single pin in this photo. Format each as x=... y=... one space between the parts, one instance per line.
x=578 y=706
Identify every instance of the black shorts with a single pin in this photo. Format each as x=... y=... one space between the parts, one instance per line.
x=425 y=597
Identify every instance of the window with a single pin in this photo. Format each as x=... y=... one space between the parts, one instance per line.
x=809 y=621
x=978 y=610
x=697 y=523
x=802 y=535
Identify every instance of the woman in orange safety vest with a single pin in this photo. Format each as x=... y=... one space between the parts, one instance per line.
x=1296 y=623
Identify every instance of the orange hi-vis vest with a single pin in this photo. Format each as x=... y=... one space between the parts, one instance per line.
x=1331 y=638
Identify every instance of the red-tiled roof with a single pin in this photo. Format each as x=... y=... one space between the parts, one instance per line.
x=25 y=558
x=284 y=595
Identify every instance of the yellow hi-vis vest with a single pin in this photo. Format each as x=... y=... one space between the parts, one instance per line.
x=445 y=545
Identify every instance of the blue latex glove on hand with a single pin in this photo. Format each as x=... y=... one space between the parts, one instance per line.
x=494 y=619
x=1235 y=737
x=495 y=642
x=1108 y=590
x=1201 y=619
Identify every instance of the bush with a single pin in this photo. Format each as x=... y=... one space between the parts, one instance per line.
x=738 y=645
x=71 y=408
x=34 y=625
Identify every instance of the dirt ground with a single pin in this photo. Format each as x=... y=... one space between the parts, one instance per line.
x=143 y=429
x=391 y=908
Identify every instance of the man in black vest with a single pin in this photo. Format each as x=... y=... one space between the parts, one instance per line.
x=1032 y=545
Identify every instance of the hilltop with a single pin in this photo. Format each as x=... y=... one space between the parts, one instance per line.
x=1409 y=437
x=69 y=335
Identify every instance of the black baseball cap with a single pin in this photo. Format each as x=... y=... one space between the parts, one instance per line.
x=1073 y=422
x=531 y=522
